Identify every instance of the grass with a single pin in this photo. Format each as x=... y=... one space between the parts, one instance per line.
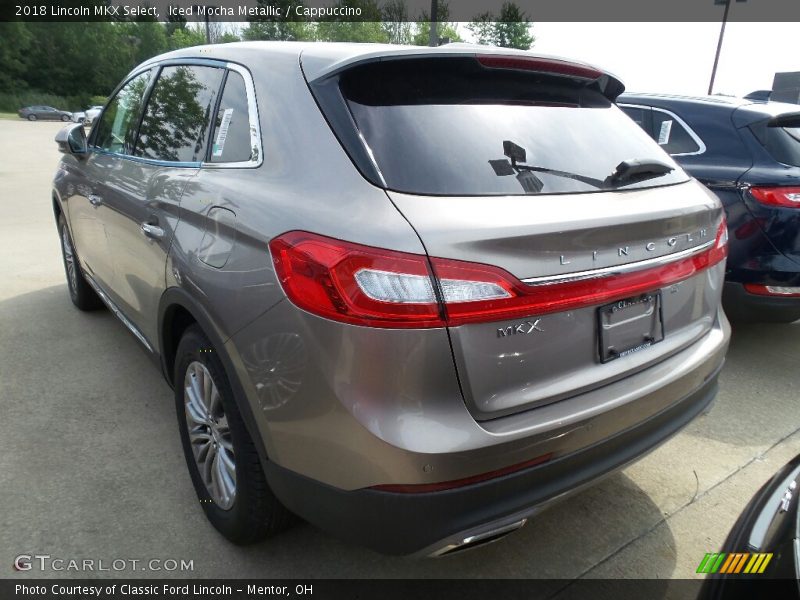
x=8 y=115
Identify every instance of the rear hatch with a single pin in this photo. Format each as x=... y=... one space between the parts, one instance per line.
x=569 y=250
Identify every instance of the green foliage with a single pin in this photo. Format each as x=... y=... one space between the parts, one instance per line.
x=349 y=31
x=278 y=28
x=395 y=24
x=511 y=29
x=445 y=31
x=144 y=38
x=227 y=37
x=444 y=28
x=369 y=29
x=15 y=40
x=13 y=101
x=186 y=37
x=75 y=65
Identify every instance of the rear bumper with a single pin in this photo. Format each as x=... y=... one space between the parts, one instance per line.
x=424 y=523
x=743 y=306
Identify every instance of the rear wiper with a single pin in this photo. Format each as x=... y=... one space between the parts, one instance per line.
x=635 y=170
x=525 y=173
x=628 y=171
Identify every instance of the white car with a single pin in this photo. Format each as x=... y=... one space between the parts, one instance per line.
x=88 y=116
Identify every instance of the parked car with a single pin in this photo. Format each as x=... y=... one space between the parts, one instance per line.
x=91 y=114
x=761 y=556
x=748 y=153
x=87 y=117
x=34 y=113
x=392 y=296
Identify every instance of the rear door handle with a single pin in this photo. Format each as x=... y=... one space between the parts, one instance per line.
x=152 y=231
x=95 y=200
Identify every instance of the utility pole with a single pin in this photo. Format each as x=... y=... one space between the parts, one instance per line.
x=433 y=40
x=727 y=4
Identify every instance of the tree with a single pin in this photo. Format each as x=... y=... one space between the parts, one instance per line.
x=368 y=29
x=145 y=38
x=186 y=37
x=15 y=40
x=511 y=29
x=227 y=37
x=278 y=28
x=395 y=22
x=71 y=59
x=174 y=22
x=446 y=30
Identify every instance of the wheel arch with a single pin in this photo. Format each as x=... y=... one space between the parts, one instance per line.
x=57 y=209
x=177 y=311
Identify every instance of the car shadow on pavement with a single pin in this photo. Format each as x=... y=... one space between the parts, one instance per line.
x=92 y=458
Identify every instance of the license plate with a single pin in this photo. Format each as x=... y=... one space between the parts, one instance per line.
x=629 y=325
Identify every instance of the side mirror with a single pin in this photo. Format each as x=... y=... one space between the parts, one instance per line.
x=72 y=140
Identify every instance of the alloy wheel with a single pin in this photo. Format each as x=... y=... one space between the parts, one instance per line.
x=209 y=435
x=69 y=261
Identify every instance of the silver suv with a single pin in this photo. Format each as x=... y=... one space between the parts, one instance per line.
x=411 y=295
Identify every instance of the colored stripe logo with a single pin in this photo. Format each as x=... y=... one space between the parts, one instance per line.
x=734 y=562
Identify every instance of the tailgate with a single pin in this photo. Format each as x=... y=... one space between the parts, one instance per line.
x=535 y=359
x=552 y=222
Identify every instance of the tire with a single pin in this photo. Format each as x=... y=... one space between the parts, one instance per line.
x=31 y=117
x=251 y=512
x=65 y=118
x=80 y=292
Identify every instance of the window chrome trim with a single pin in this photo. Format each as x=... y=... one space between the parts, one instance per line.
x=256 y=147
x=692 y=134
x=619 y=269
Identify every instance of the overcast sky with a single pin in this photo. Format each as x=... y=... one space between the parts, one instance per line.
x=677 y=57
x=673 y=57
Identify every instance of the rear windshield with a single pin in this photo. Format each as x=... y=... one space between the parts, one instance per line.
x=451 y=126
x=782 y=143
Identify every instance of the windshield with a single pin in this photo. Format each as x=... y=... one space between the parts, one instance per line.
x=445 y=130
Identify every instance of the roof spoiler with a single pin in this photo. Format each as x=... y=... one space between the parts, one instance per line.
x=785 y=120
x=492 y=58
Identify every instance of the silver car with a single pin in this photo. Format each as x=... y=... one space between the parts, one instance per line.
x=411 y=295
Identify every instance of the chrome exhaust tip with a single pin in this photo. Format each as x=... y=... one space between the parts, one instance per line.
x=479 y=539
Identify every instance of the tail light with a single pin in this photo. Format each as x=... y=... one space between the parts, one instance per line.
x=773 y=290
x=370 y=286
x=784 y=197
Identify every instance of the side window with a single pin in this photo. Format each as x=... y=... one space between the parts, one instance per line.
x=117 y=126
x=671 y=135
x=177 y=118
x=231 y=140
x=640 y=116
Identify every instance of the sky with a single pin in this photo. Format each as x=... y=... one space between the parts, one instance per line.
x=678 y=57
x=673 y=57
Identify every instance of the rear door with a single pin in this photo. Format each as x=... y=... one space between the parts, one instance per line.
x=144 y=194
x=512 y=167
